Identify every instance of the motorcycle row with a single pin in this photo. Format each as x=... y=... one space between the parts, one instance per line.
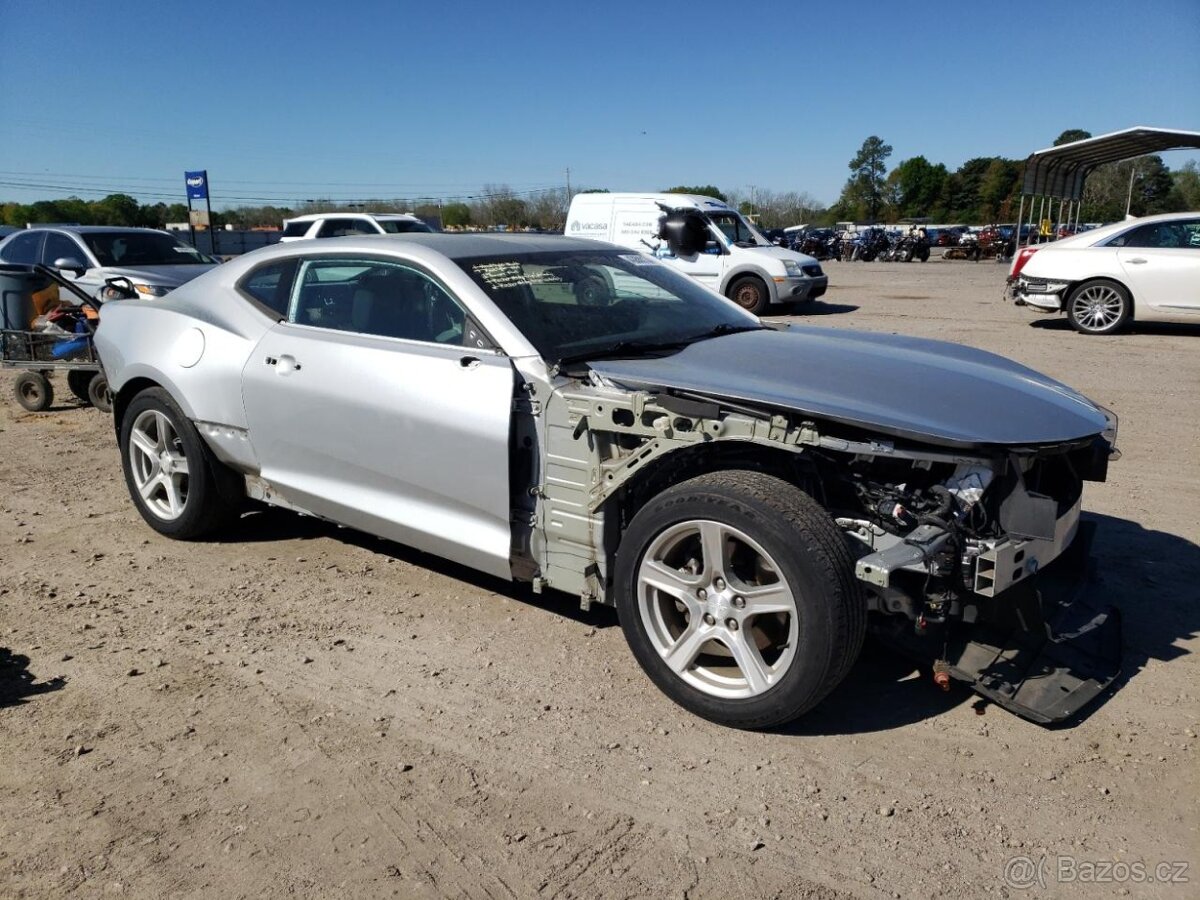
x=877 y=243
x=867 y=245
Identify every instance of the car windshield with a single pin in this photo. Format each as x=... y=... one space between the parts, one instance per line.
x=141 y=248
x=736 y=229
x=402 y=226
x=575 y=305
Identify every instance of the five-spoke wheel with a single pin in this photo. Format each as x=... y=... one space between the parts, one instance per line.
x=714 y=607
x=160 y=466
x=736 y=593
x=177 y=484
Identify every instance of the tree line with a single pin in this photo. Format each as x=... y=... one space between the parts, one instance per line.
x=988 y=188
x=981 y=190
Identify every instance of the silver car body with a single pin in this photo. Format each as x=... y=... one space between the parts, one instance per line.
x=415 y=441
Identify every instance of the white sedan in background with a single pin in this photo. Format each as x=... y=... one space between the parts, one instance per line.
x=1146 y=269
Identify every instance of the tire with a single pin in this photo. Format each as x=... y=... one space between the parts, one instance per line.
x=923 y=254
x=776 y=539
x=33 y=391
x=185 y=504
x=1099 y=307
x=593 y=292
x=750 y=294
x=98 y=394
x=78 y=381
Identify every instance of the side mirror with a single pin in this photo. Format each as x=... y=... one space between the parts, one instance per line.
x=70 y=264
x=712 y=247
x=118 y=288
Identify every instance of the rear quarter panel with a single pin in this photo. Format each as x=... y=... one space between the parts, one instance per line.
x=198 y=360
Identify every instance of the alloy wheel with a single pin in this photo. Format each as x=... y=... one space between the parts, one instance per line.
x=159 y=465
x=1098 y=307
x=716 y=609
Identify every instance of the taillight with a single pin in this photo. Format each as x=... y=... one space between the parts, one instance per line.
x=1023 y=257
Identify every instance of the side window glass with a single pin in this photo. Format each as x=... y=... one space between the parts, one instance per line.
x=336 y=228
x=22 y=250
x=362 y=226
x=59 y=246
x=271 y=285
x=296 y=229
x=378 y=298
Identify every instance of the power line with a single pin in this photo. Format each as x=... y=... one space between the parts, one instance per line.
x=158 y=194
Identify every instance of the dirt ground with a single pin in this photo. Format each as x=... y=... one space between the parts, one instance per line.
x=299 y=710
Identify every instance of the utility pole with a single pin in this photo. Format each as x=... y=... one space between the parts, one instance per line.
x=1129 y=194
x=568 y=184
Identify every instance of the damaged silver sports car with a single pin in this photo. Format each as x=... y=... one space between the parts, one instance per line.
x=751 y=498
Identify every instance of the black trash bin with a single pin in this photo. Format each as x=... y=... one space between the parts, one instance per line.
x=18 y=284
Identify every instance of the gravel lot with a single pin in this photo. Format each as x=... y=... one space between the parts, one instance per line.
x=305 y=711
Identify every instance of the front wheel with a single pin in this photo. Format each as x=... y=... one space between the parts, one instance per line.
x=750 y=294
x=180 y=489
x=737 y=595
x=1099 y=307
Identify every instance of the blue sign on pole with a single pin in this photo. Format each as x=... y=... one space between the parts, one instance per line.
x=197 y=184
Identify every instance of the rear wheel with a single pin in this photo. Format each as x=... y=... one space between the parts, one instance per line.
x=178 y=486
x=98 y=394
x=1099 y=307
x=736 y=593
x=750 y=294
x=78 y=381
x=33 y=391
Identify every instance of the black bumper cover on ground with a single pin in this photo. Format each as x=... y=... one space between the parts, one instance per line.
x=1057 y=655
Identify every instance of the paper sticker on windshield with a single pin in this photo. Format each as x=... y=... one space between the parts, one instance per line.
x=500 y=275
x=638 y=259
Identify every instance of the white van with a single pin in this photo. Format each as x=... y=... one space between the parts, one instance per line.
x=704 y=238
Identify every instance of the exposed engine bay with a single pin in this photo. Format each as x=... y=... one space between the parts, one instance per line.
x=957 y=549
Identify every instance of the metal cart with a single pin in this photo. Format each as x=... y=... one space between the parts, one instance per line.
x=41 y=353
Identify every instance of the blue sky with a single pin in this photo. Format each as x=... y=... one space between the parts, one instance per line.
x=379 y=99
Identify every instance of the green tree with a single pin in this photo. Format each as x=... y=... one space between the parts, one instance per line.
x=868 y=171
x=456 y=215
x=1187 y=183
x=1001 y=181
x=919 y=185
x=117 y=209
x=704 y=190
x=1071 y=135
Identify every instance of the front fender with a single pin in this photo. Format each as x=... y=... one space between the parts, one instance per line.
x=748 y=268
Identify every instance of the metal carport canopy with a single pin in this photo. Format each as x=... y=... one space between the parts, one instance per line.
x=1059 y=172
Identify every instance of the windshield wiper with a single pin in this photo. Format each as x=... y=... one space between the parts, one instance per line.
x=637 y=348
x=723 y=329
x=624 y=348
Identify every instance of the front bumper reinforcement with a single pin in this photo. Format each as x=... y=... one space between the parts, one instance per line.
x=1054 y=656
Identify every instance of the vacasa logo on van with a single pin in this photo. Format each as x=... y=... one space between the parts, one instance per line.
x=578 y=226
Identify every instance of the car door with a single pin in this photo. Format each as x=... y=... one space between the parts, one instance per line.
x=62 y=246
x=366 y=406
x=1161 y=262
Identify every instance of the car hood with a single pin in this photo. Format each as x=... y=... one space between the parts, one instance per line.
x=163 y=276
x=782 y=253
x=932 y=391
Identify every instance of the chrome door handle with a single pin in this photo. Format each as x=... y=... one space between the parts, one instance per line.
x=1137 y=260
